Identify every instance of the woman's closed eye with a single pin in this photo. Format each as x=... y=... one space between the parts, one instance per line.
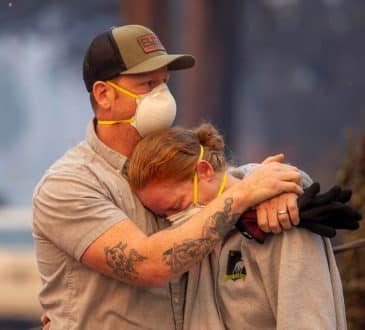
x=150 y=84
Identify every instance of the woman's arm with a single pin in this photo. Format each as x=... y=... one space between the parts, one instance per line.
x=301 y=280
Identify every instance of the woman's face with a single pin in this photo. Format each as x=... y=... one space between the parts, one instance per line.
x=166 y=197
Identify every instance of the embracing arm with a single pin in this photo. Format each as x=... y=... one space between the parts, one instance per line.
x=85 y=223
x=125 y=253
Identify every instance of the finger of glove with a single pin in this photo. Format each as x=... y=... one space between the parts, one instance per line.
x=329 y=196
x=345 y=195
x=308 y=195
x=319 y=229
x=314 y=212
x=336 y=220
x=350 y=212
x=341 y=223
x=346 y=211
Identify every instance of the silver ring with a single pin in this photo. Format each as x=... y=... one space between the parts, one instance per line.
x=282 y=212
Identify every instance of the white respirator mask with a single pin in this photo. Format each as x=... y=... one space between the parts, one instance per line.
x=155 y=110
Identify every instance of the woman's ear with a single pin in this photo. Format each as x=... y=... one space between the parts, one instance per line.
x=205 y=170
x=103 y=95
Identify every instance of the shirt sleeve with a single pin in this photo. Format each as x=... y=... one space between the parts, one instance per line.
x=73 y=212
x=241 y=171
x=297 y=280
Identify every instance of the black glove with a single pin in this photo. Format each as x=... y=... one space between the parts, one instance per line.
x=325 y=213
x=322 y=214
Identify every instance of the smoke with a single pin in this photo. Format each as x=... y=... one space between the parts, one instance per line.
x=44 y=104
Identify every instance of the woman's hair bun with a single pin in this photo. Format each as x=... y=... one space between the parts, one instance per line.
x=209 y=137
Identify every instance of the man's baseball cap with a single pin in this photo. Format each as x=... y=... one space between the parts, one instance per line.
x=128 y=49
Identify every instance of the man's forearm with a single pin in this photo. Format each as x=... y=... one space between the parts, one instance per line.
x=169 y=253
x=182 y=255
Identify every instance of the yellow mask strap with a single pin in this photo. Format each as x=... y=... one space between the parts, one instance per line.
x=122 y=90
x=195 y=183
x=223 y=184
x=112 y=122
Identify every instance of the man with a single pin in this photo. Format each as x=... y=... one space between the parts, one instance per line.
x=103 y=261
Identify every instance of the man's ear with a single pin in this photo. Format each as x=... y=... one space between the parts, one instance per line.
x=205 y=170
x=103 y=95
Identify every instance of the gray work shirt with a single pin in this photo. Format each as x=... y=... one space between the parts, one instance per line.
x=79 y=198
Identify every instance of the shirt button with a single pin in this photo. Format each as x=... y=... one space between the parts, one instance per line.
x=176 y=300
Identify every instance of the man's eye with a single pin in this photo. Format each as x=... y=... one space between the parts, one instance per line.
x=149 y=84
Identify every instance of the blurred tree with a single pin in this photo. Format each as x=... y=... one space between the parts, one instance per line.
x=351 y=266
x=213 y=32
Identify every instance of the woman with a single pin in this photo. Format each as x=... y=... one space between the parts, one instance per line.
x=290 y=282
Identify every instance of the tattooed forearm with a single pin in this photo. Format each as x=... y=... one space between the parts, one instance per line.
x=122 y=264
x=180 y=256
x=221 y=222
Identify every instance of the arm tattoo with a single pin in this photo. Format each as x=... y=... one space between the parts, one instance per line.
x=189 y=251
x=122 y=264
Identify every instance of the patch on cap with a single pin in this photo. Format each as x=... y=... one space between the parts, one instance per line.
x=150 y=43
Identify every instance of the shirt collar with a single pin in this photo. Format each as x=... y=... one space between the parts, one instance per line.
x=117 y=160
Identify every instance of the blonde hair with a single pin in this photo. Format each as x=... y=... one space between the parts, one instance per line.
x=173 y=153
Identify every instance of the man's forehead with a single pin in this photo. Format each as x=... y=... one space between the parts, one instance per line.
x=141 y=76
